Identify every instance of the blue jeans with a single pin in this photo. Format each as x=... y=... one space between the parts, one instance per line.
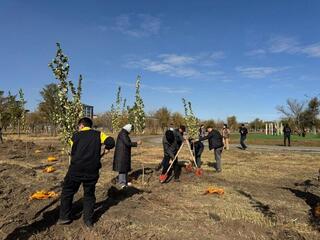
x=242 y=139
x=123 y=179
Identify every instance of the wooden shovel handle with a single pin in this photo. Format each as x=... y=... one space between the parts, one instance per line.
x=192 y=155
x=175 y=157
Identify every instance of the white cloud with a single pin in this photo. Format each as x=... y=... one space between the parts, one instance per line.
x=283 y=44
x=259 y=72
x=312 y=50
x=158 y=88
x=289 y=45
x=256 y=52
x=140 y=25
x=175 y=59
x=179 y=65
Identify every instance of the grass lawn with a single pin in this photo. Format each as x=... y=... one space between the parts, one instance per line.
x=261 y=139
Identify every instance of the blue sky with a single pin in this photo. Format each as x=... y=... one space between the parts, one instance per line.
x=238 y=58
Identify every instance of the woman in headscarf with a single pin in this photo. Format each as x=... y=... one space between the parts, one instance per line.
x=122 y=155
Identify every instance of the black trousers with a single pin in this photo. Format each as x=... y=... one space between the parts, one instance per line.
x=285 y=140
x=70 y=187
x=242 y=139
x=175 y=166
x=199 y=152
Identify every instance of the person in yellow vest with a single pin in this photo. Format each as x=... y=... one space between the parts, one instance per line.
x=83 y=169
x=226 y=136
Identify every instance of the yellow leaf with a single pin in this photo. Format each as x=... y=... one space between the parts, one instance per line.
x=43 y=195
x=52 y=159
x=49 y=169
x=216 y=190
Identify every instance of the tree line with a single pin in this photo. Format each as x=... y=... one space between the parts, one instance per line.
x=61 y=107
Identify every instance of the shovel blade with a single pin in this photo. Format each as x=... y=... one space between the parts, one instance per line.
x=199 y=172
x=163 y=177
x=189 y=168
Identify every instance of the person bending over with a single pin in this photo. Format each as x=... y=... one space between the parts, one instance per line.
x=215 y=141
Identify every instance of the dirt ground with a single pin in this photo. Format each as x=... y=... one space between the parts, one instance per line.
x=268 y=195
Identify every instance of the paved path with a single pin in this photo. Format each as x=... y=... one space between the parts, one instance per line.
x=156 y=140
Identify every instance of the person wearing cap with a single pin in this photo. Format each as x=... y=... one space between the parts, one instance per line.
x=226 y=136
x=122 y=155
x=243 y=136
x=214 y=138
x=83 y=169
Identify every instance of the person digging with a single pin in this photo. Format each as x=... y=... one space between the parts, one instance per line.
x=83 y=169
x=122 y=155
x=169 y=151
x=197 y=150
x=215 y=141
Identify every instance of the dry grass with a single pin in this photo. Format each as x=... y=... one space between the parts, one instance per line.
x=257 y=203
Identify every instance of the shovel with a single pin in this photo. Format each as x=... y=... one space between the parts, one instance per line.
x=198 y=171
x=163 y=177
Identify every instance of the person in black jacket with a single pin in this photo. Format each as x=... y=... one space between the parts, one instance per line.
x=197 y=150
x=216 y=143
x=286 y=135
x=178 y=134
x=169 y=152
x=122 y=155
x=243 y=136
x=84 y=169
x=1 y=135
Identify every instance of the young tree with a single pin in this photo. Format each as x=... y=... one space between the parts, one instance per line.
x=232 y=122
x=139 y=118
x=293 y=110
x=15 y=110
x=256 y=124
x=190 y=119
x=116 y=113
x=210 y=122
x=163 y=116
x=177 y=119
x=309 y=116
x=48 y=106
x=22 y=117
x=3 y=101
x=104 y=120
x=69 y=107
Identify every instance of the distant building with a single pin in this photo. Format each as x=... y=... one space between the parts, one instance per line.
x=87 y=111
